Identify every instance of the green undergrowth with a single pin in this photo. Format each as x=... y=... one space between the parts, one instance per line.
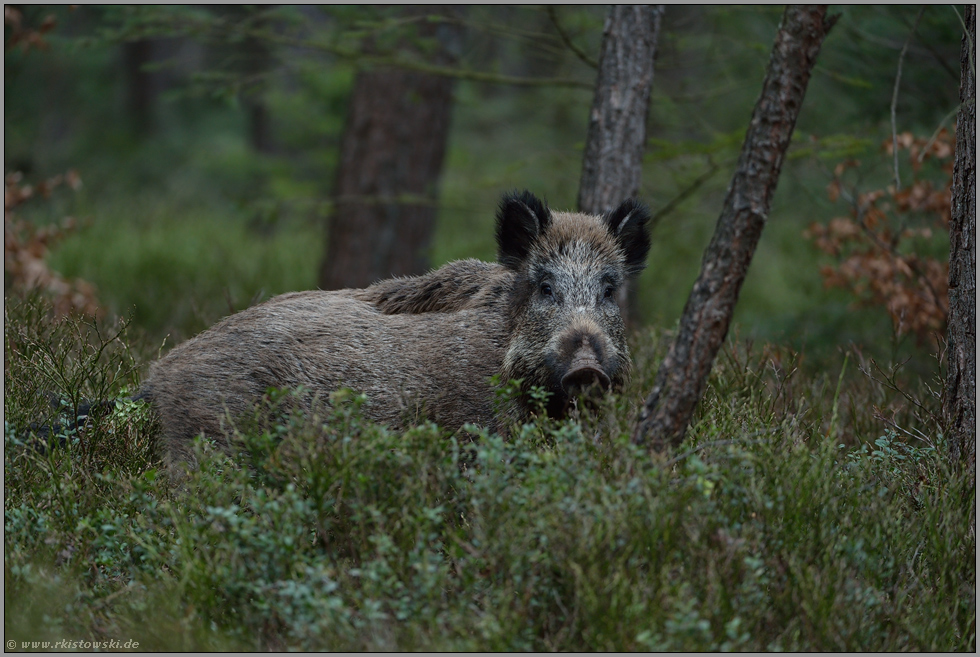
x=791 y=518
x=176 y=270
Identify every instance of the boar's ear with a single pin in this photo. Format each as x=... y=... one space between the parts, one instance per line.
x=521 y=220
x=628 y=224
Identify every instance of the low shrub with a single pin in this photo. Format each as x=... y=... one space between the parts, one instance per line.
x=780 y=523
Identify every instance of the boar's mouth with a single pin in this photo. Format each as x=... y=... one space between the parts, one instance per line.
x=585 y=377
x=584 y=374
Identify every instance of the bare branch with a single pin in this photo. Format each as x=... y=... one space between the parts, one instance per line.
x=402 y=61
x=898 y=80
x=684 y=194
x=567 y=40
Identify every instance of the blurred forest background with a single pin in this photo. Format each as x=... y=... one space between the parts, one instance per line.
x=198 y=149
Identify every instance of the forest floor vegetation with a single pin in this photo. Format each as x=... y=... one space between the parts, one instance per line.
x=804 y=511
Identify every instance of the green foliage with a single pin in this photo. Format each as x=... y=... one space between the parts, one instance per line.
x=183 y=268
x=775 y=526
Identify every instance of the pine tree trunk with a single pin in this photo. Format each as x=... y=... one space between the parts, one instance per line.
x=959 y=407
x=616 y=138
x=390 y=160
x=704 y=324
x=618 y=123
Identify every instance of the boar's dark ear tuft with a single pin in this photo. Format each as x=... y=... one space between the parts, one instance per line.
x=629 y=225
x=521 y=220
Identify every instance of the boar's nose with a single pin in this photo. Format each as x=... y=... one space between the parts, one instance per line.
x=585 y=372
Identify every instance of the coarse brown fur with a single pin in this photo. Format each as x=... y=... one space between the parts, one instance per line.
x=425 y=347
x=322 y=341
x=458 y=285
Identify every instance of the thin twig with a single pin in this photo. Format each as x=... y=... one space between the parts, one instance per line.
x=469 y=74
x=402 y=61
x=928 y=47
x=966 y=35
x=890 y=383
x=567 y=40
x=898 y=80
x=935 y=135
x=918 y=435
x=684 y=194
x=715 y=443
x=505 y=31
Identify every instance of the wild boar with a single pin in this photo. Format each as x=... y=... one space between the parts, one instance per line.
x=426 y=347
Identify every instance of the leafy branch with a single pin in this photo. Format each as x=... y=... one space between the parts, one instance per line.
x=873 y=245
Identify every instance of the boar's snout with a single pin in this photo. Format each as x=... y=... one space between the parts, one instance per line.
x=585 y=373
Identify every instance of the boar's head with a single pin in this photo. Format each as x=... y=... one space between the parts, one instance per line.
x=565 y=329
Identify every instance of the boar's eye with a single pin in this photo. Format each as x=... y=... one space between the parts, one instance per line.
x=608 y=292
x=546 y=290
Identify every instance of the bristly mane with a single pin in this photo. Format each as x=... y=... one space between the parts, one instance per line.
x=456 y=286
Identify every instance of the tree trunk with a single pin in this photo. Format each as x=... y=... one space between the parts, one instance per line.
x=259 y=61
x=390 y=160
x=140 y=84
x=959 y=407
x=616 y=138
x=684 y=372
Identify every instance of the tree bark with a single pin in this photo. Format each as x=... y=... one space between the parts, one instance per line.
x=704 y=324
x=618 y=123
x=959 y=404
x=613 y=160
x=390 y=160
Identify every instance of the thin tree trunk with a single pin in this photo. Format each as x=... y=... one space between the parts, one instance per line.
x=959 y=407
x=390 y=160
x=140 y=83
x=616 y=138
x=704 y=324
x=258 y=57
